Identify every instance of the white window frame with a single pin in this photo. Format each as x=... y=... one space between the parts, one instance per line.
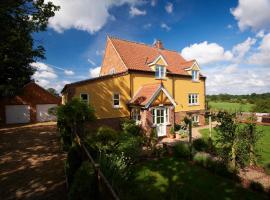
x=193 y=99
x=166 y=115
x=195 y=118
x=195 y=77
x=114 y=99
x=158 y=72
x=136 y=114
x=86 y=101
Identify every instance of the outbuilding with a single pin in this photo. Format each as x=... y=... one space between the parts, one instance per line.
x=31 y=105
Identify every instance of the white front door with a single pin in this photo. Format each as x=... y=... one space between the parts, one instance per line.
x=161 y=122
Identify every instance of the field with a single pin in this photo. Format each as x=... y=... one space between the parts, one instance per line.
x=231 y=107
x=173 y=178
x=263 y=146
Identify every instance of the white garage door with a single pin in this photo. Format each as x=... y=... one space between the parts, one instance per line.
x=43 y=113
x=17 y=114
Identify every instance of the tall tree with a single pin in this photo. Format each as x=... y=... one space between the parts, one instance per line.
x=19 y=19
x=53 y=91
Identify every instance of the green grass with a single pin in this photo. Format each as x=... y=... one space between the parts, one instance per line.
x=263 y=145
x=173 y=178
x=231 y=107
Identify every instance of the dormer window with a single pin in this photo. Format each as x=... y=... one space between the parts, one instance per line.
x=195 y=75
x=160 y=71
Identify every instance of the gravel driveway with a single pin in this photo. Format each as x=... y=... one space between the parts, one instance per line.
x=31 y=163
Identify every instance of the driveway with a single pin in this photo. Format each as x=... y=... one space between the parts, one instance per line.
x=31 y=163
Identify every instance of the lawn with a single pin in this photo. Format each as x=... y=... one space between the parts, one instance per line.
x=173 y=178
x=231 y=107
x=263 y=146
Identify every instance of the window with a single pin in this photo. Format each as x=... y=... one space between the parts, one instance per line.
x=195 y=75
x=116 y=100
x=193 y=99
x=135 y=114
x=112 y=71
x=195 y=118
x=84 y=97
x=160 y=71
x=160 y=115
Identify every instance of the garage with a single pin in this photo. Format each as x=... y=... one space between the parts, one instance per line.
x=43 y=112
x=17 y=114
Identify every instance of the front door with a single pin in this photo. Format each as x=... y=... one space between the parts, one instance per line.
x=161 y=122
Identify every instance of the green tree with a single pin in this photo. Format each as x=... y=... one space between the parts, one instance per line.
x=18 y=21
x=53 y=92
x=72 y=117
x=262 y=106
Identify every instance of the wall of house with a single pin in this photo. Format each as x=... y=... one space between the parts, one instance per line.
x=101 y=96
x=111 y=60
x=182 y=87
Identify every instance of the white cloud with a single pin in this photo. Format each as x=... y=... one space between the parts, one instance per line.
x=69 y=72
x=169 y=7
x=236 y=80
x=147 y=26
x=253 y=14
x=241 y=49
x=165 y=26
x=91 y=62
x=85 y=15
x=136 y=11
x=43 y=71
x=94 y=72
x=260 y=34
x=206 y=53
x=262 y=55
x=153 y=2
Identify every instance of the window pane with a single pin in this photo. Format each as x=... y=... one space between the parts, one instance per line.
x=84 y=97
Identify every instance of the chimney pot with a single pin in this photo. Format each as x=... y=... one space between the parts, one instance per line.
x=158 y=44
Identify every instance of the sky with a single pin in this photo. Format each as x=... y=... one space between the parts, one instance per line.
x=230 y=39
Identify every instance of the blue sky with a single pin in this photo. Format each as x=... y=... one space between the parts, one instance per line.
x=230 y=39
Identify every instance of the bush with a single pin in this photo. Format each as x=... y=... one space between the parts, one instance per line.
x=130 y=146
x=73 y=162
x=256 y=186
x=130 y=127
x=66 y=139
x=200 y=144
x=181 y=150
x=106 y=134
x=84 y=186
x=203 y=159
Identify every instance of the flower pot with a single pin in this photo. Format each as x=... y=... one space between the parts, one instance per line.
x=177 y=136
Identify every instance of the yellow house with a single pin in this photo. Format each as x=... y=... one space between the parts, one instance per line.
x=155 y=86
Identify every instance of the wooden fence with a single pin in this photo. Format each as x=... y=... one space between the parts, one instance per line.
x=104 y=187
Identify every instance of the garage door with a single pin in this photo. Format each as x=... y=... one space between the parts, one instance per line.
x=43 y=114
x=17 y=114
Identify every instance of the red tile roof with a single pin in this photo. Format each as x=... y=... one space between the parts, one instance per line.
x=137 y=56
x=144 y=94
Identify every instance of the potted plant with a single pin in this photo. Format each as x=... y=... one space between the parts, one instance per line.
x=172 y=133
x=177 y=135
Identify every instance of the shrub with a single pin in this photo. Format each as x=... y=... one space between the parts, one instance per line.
x=203 y=159
x=130 y=127
x=73 y=162
x=84 y=186
x=130 y=146
x=181 y=150
x=106 y=134
x=66 y=139
x=256 y=186
x=200 y=144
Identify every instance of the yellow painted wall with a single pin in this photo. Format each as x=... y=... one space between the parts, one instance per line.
x=101 y=96
x=183 y=86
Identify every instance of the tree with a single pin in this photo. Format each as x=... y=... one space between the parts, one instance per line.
x=53 y=92
x=262 y=106
x=18 y=21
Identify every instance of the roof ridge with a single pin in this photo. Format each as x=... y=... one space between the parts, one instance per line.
x=141 y=43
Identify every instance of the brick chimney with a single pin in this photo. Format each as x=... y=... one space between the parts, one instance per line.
x=158 y=44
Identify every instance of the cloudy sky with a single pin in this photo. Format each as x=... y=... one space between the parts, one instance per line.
x=229 y=39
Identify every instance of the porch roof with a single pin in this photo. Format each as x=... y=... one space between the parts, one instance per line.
x=146 y=94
